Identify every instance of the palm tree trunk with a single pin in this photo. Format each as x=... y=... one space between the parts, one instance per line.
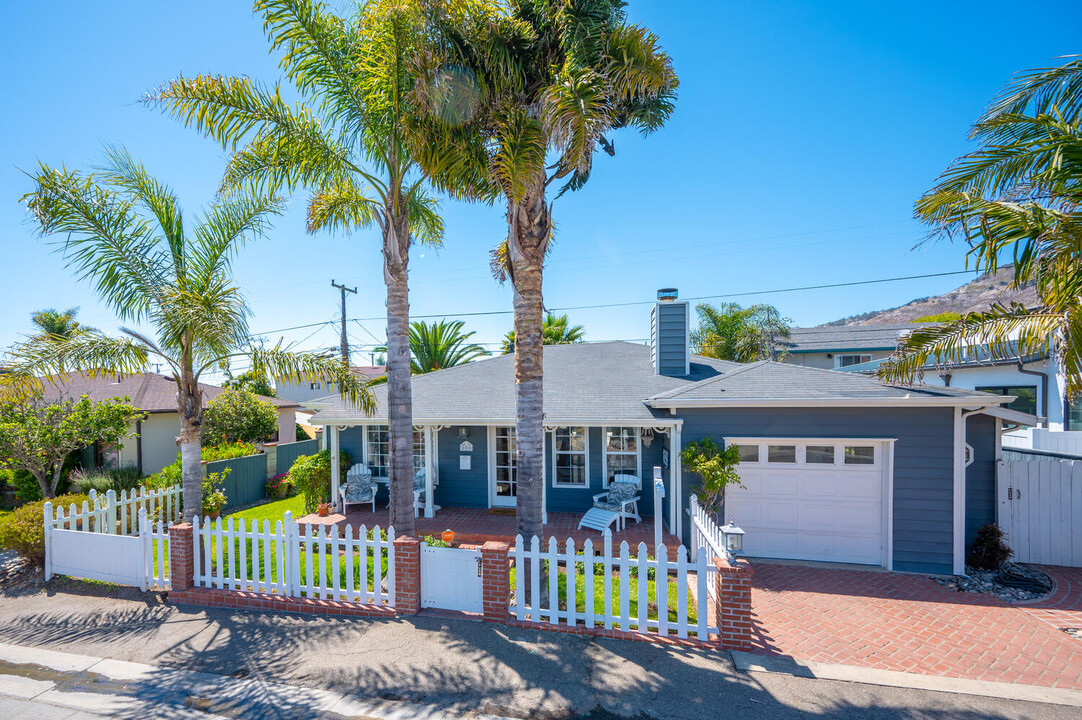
x=399 y=397
x=190 y=406
x=528 y=242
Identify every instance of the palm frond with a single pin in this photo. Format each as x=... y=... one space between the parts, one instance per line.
x=343 y=206
x=44 y=361
x=297 y=367
x=426 y=224
x=225 y=227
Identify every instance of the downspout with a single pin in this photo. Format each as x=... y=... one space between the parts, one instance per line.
x=1044 y=392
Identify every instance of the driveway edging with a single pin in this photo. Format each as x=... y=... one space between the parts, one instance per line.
x=785 y=665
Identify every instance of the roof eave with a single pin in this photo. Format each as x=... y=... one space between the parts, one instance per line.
x=960 y=401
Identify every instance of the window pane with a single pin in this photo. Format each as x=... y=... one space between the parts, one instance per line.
x=749 y=453
x=859 y=455
x=781 y=453
x=820 y=455
x=570 y=456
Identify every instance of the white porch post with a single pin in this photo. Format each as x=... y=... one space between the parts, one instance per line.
x=430 y=471
x=544 y=475
x=959 y=491
x=677 y=499
x=335 y=469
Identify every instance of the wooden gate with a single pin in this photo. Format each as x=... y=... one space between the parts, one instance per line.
x=451 y=578
x=1040 y=510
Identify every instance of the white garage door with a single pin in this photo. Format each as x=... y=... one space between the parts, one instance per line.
x=810 y=500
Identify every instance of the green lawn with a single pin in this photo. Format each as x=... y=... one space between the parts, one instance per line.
x=597 y=589
x=272 y=511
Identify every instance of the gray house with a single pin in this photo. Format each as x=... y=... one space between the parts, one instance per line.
x=835 y=466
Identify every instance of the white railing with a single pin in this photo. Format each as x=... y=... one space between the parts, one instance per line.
x=281 y=560
x=706 y=537
x=624 y=599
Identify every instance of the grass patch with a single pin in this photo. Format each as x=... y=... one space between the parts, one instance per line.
x=272 y=511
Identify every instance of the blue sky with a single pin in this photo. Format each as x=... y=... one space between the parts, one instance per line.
x=803 y=133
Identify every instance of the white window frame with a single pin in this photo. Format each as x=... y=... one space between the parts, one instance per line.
x=585 y=452
x=495 y=500
x=861 y=359
x=802 y=444
x=418 y=450
x=605 y=451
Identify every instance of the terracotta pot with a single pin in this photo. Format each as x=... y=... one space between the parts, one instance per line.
x=213 y=515
x=324 y=510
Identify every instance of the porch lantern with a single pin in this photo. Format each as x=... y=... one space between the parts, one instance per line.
x=733 y=537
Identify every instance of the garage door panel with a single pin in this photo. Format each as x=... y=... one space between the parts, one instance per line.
x=810 y=512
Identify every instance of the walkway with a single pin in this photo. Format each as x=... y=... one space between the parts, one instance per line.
x=1063 y=608
x=907 y=622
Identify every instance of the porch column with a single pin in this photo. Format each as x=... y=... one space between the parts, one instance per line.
x=544 y=476
x=336 y=470
x=430 y=471
x=676 y=467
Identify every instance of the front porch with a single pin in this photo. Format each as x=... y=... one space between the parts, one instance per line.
x=477 y=525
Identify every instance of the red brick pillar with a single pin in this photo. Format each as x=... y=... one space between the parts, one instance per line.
x=407 y=575
x=733 y=608
x=496 y=581
x=181 y=567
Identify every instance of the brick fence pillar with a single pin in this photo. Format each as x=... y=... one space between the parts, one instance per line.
x=407 y=575
x=496 y=581
x=181 y=567
x=733 y=609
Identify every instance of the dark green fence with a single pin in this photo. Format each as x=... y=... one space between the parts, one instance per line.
x=289 y=452
x=246 y=482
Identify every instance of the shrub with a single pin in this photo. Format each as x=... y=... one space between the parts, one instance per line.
x=167 y=477
x=716 y=469
x=116 y=479
x=214 y=497
x=238 y=416
x=988 y=550
x=228 y=451
x=276 y=483
x=24 y=529
x=311 y=475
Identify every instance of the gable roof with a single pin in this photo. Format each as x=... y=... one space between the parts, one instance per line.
x=769 y=382
x=592 y=383
x=840 y=338
x=149 y=392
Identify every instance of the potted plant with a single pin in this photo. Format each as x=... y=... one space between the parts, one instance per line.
x=214 y=497
x=323 y=509
x=278 y=486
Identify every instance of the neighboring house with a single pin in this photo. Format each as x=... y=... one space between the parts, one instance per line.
x=1037 y=384
x=305 y=391
x=837 y=466
x=155 y=444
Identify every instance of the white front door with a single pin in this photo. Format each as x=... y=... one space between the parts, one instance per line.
x=502 y=477
x=811 y=499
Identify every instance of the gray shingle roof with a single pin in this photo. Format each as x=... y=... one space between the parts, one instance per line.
x=829 y=338
x=585 y=381
x=768 y=380
x=149 y=392
x=616 y=381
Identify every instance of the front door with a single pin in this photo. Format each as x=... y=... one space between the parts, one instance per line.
x=503 y=481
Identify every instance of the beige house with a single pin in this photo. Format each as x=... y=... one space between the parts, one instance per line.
x=155 y=443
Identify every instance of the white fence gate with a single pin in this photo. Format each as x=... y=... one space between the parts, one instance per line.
x=1040 y=510
x=451 y=578
x=109 y=540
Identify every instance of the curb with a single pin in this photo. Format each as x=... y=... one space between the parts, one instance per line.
x=785 y=665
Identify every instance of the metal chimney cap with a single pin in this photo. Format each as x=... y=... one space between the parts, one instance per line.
x=667 y=294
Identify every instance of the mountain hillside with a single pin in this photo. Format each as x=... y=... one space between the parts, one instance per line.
x=976 y=295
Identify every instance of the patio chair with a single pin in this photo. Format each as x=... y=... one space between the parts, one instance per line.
x=359 y=488
x=419 y=493
x=622 y=498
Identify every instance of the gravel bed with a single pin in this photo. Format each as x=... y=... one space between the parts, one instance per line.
x=999 y=582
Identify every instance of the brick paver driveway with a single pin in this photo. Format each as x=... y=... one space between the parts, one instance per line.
x=896 y=621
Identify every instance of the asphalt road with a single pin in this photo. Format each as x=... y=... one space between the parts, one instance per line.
x=465 y=667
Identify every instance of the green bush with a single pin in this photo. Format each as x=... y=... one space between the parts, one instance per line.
x=238 y=416
x=988 y=550
x=311 y=475
x=116 y=479
x=24 y=529
x=228 y=451
x=214 y=497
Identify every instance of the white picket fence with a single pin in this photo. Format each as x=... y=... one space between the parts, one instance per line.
x=84 y=543
x=111 y=514
x=706 y=538
x=284 y=561
x=612 y=608
x=1040 y=510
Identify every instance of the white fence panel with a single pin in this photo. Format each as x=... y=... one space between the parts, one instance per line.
x=78 y=543
x=706 y=538
x=540 y=600
x=1040 y=510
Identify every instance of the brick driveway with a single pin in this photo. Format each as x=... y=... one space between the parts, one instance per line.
x=896 y=621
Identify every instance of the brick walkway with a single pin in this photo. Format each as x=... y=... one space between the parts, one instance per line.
x=896 y=621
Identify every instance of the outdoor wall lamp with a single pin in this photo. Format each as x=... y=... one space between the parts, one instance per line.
x=463 y=432
x=733 y=537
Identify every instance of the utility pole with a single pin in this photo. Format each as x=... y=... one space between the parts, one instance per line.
x=345 y=343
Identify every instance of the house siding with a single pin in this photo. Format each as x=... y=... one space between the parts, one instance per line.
x=462 y=488
x=981 y=474
x=669 y=338
x=923 y=464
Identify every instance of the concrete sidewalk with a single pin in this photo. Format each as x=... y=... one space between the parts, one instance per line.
x=460 y=667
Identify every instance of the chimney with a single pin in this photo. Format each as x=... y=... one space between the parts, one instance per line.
x=670 y=328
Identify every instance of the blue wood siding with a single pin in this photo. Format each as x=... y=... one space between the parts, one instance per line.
x=923 y=464
x=669 y=338
x=462 y=488
x=579 y=500
x=981 y=474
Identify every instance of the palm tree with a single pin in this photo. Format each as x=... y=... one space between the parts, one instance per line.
x=59 y=324
x=440 y=345
x=739 y=334
x=554 y=331
x=547 y=82
x=1017 y=196
x=124 y=233
x=353 y=143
